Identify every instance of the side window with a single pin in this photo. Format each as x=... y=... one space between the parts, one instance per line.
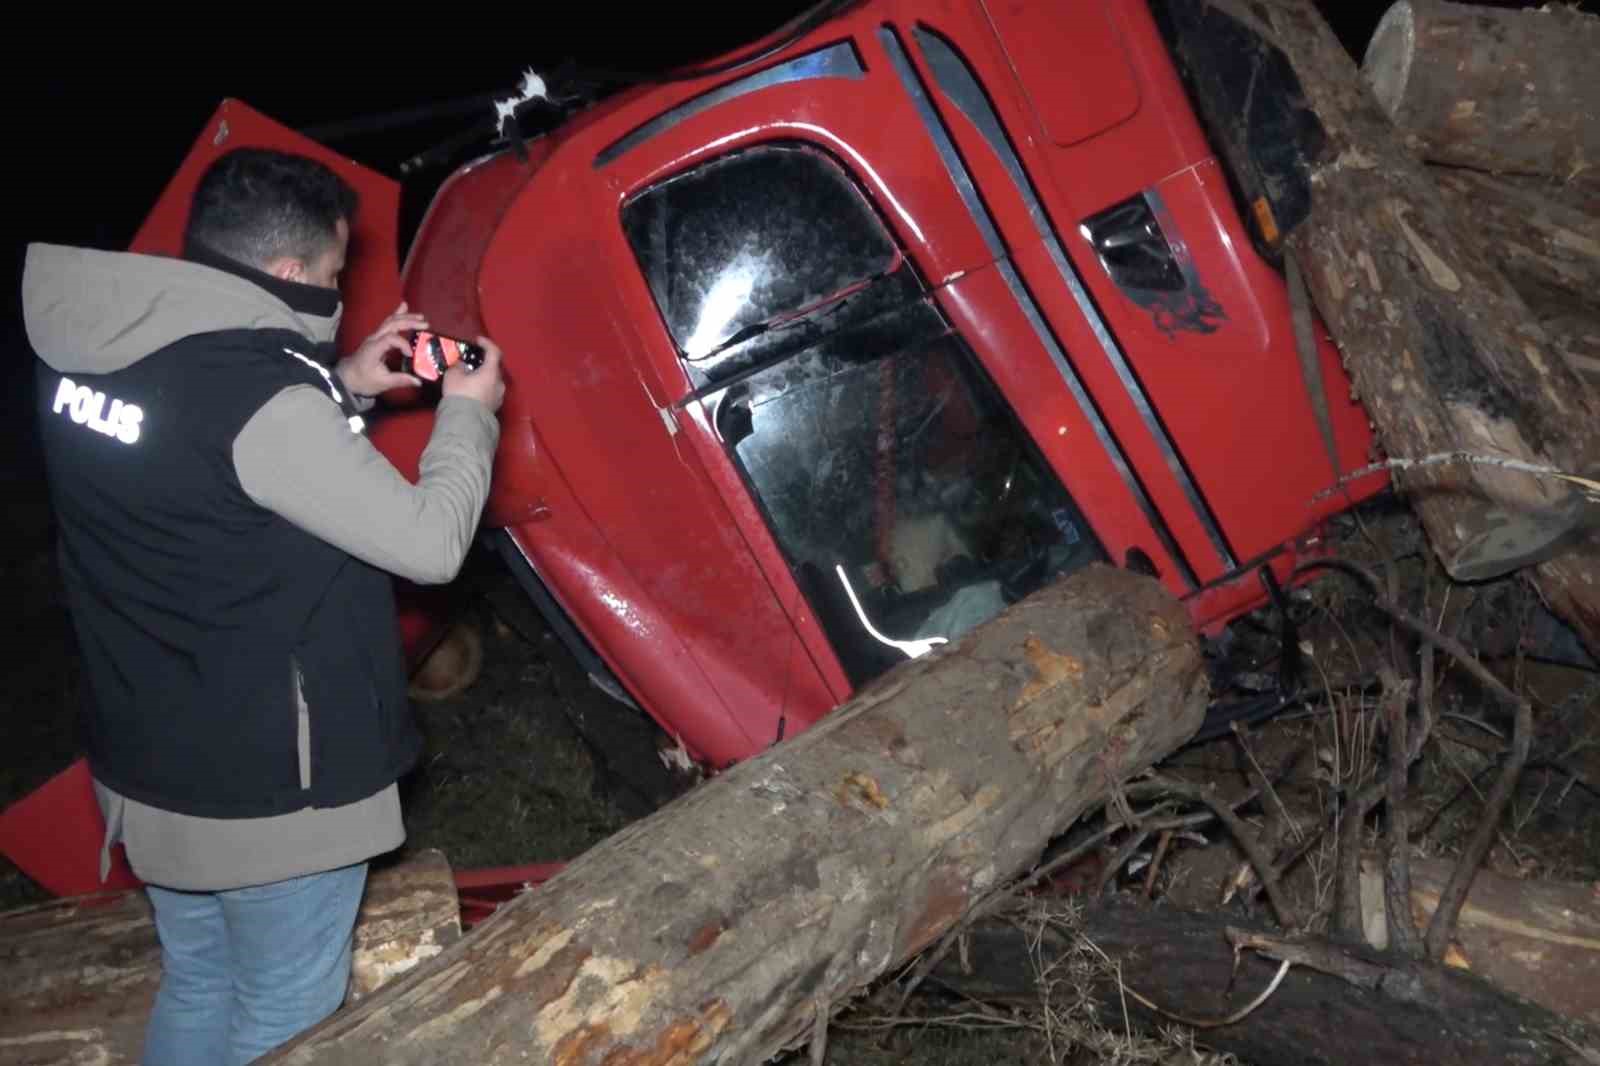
x=905 y=495
x=737 y=246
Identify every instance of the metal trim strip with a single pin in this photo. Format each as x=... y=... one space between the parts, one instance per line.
x=981 y=216
x=955 y=79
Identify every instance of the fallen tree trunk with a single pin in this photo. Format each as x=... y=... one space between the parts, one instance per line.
x=82 y=975
x=1575 y=195
x=1383 y=1011
x=1536 y=939
x=1498 y=89
x=722 y=927
x=1549 y=252
x=1442 y=350
x=1577 y=338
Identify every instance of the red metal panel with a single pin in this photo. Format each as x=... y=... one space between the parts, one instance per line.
x=1225 y=388
x=1009 y=202
x=1071 y=64
x=635 y=546
x=442 y=265
x=666 y=517
x=371 y=283
x=53 y=836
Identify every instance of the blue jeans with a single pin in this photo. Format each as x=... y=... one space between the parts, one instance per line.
x=245 y=970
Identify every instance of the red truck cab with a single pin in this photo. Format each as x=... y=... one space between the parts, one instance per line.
x=816 y=362
x=822 y=361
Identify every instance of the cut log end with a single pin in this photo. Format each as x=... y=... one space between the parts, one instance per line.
x=1500 y=89
x=1387 y=65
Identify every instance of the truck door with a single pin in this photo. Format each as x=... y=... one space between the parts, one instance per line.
x=371 y=283
x=858 y=368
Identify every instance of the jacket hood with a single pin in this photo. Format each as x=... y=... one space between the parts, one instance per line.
x=95 y=312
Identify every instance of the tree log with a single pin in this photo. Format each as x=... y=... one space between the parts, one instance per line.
x=1442 y=350
x=409 y=913
x=1383 y=1011
x=1536 y=939
x=1577 y=338
x=1498 y=89
x=82 y=974
x=1580 y=196
x=721 y=927
x=1549 y=252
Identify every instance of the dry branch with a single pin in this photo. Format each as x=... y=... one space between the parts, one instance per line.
x=1397 y=860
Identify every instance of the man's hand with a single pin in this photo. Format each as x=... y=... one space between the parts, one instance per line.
x=485 y=384
x=364 y=372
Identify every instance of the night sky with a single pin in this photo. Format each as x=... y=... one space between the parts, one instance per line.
x=98 y=115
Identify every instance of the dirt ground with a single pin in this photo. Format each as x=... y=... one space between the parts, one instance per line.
x=533 y=763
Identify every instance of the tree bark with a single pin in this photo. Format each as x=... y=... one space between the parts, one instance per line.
x=1549 y=252
x=1574 y=194
x=82 y=974
x=1577 y=338
x=1498 y=89
x=409 y=913
x=1535 y=939
x=1384 y=1010
x=1442 y=350
x=717 y=928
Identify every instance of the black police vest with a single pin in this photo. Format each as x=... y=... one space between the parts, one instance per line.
x=195 y=607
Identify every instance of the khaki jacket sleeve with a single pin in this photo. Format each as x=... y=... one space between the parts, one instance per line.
x=297 y=456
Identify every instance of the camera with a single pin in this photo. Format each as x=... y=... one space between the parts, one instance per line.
x=434 y=353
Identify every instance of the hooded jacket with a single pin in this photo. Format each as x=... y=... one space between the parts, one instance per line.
x=227 y=536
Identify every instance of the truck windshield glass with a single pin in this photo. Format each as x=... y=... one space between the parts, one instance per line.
x=910 y=505
x=740 y=243
x=905 y=495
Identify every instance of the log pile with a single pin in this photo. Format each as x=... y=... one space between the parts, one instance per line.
x=1505 y=90
x=1464 y=299
x=1502 y=107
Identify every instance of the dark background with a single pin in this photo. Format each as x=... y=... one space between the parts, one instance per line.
x=100 y=110
x=101 y=107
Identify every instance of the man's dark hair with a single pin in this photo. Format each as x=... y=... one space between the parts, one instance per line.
x=256 y=204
